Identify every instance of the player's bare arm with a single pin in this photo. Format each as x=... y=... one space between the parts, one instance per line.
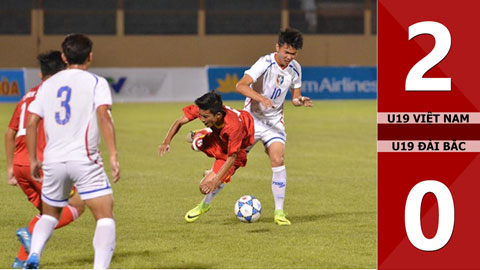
x=165 y=146
x=209 y=185
x=10 y=150
x=108 y=130
x=31 y=139
x=299 y=100
x=243 y=87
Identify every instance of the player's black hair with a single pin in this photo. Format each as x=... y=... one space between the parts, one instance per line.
x=76 y=48
x=292 y=37
x=51 y=62
x=210 y=101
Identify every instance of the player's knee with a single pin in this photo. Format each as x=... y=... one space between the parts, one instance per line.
x=51 y=210
x=276 y=161
x=201 y=191
x=99 y=214
x=202 y=183
x=101 y=207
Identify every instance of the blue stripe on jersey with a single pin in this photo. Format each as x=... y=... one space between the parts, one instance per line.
x=298 y=74
x=265 y=143
x=95 y=190
x=50 y=199
x=96 y=81
x=266 y=69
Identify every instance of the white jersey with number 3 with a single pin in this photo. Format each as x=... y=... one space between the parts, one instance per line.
x=273 y=82
x=68 y=102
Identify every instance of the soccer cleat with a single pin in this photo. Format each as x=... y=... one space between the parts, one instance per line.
x=33 y=261
x=281 y=218
x=196 y=212
x=196 y=138
x=73 y=191
x=25 y=238
x=192 y=133
x=189 y=137
x=18 y=264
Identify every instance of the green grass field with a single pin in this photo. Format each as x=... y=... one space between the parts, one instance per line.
x=331 y=197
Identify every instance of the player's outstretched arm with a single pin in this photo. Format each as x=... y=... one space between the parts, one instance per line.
x=108 y=131
x=299 y=100
x=10 y=150
x=243 y=87
x=165 y=146
x=31 y=138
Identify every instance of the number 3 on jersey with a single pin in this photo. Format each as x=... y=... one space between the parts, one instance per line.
x=64 y=103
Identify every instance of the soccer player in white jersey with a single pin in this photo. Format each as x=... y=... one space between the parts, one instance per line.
x=265 y=85
x=70 y=102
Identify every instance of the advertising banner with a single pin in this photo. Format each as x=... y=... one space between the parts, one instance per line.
x=12 y=85
x=317 y=82
x=154 y=84
x=146 y=84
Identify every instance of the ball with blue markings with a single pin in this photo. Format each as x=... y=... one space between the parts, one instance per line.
x=248 y=209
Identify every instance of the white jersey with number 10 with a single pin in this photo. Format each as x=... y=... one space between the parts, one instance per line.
x=273 y=82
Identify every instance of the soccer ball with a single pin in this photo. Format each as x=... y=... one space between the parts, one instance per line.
x=248 y=209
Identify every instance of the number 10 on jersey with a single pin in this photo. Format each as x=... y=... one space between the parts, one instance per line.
x=427 y=200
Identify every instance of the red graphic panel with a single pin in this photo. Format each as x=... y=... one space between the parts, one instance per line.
x=398 y=173
x=404 y=161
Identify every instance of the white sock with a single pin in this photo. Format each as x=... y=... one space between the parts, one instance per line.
x=41 y=233
x=209 y=197
x=279 y=184
x=104 y=243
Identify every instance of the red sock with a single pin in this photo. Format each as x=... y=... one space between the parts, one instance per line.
x=22 y=254
x=32 y=223
x=69 y=214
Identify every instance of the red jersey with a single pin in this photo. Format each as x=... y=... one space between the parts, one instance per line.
x=18 y=122
x=236 y=133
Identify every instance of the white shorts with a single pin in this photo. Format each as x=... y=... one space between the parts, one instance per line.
x=268 y=133
x=59 y=178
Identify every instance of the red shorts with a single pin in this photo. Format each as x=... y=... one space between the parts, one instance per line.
x=30 y=187
x=217 y=165
x=210 y=146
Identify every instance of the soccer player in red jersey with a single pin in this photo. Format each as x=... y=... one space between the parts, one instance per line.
x=229 y=132
x=18 y=165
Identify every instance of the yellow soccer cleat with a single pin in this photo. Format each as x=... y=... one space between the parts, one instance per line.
x=281 y=218
x=196 y=212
